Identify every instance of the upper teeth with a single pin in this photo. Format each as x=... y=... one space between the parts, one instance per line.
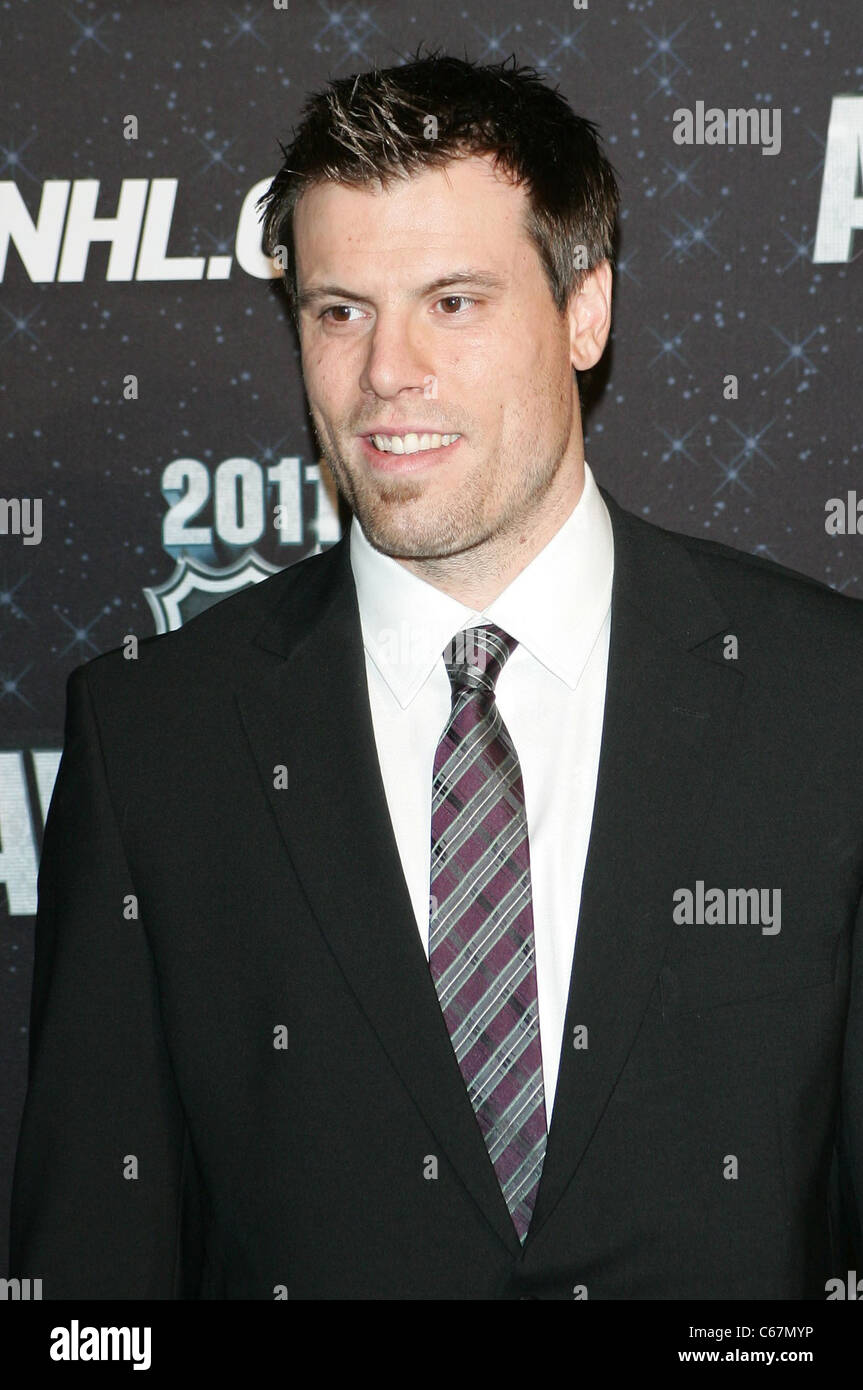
x=411 y=443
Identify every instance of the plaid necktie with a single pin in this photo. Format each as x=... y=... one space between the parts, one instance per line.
x=481 y=947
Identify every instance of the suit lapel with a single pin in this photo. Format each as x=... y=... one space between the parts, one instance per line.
x=308 y=710
x=667 y=719
x=667 y=716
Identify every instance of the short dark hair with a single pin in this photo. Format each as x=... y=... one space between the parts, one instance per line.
x=393 y=122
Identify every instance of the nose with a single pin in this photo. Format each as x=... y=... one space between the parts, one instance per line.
x=396 y=359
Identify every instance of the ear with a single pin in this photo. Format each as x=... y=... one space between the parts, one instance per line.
x=589 y=312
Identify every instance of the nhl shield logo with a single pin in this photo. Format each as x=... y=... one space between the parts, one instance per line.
x=194 y=586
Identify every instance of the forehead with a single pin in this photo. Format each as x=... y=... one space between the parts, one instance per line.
x=464 y=208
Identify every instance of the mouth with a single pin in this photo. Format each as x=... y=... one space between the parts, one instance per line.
x=409 y=451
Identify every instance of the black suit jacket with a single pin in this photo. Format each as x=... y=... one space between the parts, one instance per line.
x=708 y=1140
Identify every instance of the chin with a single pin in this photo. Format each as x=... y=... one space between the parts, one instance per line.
x=418 y=526
x=413 y=545
x=402 y=545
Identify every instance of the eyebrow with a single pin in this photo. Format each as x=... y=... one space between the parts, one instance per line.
x=484 y=279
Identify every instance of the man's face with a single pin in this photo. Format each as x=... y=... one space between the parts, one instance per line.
x=425 y=310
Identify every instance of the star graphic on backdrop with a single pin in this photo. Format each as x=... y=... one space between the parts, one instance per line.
x=89 y=32
x=80 y=635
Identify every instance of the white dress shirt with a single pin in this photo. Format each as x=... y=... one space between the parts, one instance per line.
x=551 y=697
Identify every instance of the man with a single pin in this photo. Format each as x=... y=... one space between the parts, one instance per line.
x=495 y=876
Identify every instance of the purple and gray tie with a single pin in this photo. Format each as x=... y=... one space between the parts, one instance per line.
x=481 y=944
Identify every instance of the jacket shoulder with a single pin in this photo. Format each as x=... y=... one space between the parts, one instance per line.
x=755 y=584
x=207 y=652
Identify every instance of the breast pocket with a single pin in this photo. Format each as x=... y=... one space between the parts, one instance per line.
x=736 y=972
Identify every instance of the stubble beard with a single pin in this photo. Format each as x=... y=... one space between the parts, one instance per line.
x=404 y=518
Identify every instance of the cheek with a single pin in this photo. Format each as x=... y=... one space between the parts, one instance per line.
x=468 y=366
x=533 y=357
x=322 y=374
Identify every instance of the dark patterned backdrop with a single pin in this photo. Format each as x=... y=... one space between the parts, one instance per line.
x=153 y=411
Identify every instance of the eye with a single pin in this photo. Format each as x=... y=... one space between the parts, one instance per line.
x=456 y=299
x=336 y=308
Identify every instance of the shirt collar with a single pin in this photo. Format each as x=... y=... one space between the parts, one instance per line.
x=554 y=608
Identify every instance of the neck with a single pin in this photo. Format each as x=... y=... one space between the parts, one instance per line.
x=476 y=576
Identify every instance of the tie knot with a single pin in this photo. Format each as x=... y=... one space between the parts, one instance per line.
x=475 y=657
